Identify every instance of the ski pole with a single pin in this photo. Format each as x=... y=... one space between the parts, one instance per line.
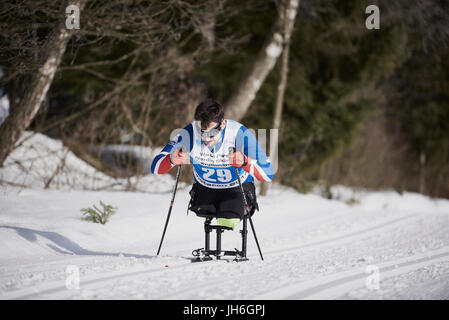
x=246 y=210
x=169 y=210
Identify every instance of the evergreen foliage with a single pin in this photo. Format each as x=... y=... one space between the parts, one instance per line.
x=334 y=60
x=421 y=106
x=340 y=73
x=97 y=215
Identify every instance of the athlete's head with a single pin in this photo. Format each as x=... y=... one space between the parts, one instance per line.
x=210 y=115
x=209 y=111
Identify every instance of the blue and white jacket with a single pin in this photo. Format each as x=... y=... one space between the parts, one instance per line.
x=211 y=166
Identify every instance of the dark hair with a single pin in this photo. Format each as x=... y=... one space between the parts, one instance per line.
x=209 y=111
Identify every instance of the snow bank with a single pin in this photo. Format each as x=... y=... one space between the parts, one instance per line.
x=383 y=200
x=44 y=163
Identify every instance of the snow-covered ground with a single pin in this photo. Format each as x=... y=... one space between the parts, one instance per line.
x=360 y=245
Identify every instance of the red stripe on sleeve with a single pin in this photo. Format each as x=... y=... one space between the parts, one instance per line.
x=258 y=175
x=165 y=165
x=256 y=172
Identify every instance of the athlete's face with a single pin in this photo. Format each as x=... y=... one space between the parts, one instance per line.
x=212 y=133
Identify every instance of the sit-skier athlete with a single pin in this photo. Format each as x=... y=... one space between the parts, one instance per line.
x=215 y=147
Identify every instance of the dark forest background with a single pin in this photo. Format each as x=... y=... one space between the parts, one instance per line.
x=362 y=108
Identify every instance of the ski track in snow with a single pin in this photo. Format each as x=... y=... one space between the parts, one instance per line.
x=327 y=268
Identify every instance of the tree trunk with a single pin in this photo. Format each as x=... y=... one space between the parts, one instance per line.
x=289 y=13
x=238 y=104
x=422 y=173
x=22 y=115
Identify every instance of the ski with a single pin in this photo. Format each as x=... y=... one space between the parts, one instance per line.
x=202 y=255
x=199 y=260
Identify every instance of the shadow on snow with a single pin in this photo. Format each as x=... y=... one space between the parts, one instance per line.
x=65 y=243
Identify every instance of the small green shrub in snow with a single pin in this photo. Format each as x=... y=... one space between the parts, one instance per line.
x=98 y=216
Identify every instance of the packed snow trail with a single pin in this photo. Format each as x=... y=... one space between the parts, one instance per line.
x=314 y=248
